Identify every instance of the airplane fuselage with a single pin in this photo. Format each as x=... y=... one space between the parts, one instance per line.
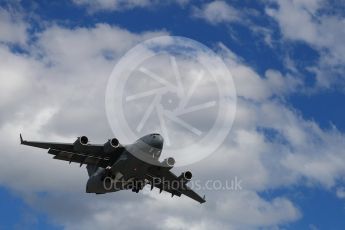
x=130 y=167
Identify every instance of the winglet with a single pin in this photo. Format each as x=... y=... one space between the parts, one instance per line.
x=21 y=139
x=204 y=198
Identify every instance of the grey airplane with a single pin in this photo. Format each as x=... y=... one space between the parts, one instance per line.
x=113 y=167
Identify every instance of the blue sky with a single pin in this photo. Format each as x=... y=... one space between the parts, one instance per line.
x=300 y=41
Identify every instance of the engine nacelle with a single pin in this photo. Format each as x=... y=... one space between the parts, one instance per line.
x=111 y=145
x=80 y=143
x=169 y=162
x=185 y=177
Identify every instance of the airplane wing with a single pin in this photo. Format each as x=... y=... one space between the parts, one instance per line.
x=165 y=176
x=90 y=154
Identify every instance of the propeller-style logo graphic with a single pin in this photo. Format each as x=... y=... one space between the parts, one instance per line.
x=177 y=87
x=170 y=101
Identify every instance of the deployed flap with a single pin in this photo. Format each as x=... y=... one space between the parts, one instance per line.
x=80 y=158
x=165 y=180
x=91 y=154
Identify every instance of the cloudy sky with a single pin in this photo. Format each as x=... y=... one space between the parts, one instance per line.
x=287 y=60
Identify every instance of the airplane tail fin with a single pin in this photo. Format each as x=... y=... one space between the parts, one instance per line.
x=91 y=169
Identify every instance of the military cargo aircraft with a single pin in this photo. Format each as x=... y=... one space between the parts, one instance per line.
x=113 y=167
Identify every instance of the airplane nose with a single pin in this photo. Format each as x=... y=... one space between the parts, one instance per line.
x=156 y=140
x=157 y=136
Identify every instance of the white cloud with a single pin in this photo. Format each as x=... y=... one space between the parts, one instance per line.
x=243 y=210
x=261 y=212
x=12 y=28
x=217 y=12
x=13 y=75
x=295 y=149
x=113 y=4
x=58 y=62
x=292 y=13
x=59 y=94
x=340 y=192
x=251 y=86
x=118 y=5
x=304 y=21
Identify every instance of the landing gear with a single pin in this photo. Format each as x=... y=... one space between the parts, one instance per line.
x=136 y=190
x=137 y=186
x=108 y=173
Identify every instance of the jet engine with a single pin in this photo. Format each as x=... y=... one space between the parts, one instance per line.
x=169 y=162
x=111 y=145
x=185 y=177
x=80 y=143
